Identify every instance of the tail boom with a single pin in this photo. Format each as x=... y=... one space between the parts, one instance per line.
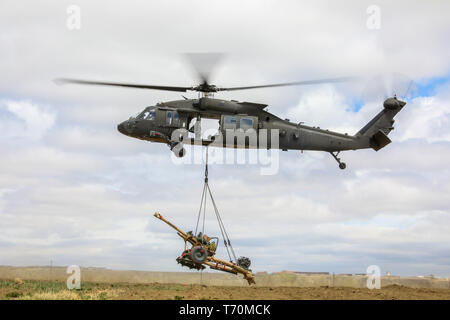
x=377 y=130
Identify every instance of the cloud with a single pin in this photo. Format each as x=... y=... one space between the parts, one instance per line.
x=42 y=161
x=95 y=140
x=30 y=121
x=326 y=107
x=427 y=118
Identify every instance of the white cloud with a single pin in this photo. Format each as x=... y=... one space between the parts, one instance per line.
x=96 y=140
x=45 y=161
x=35 y=120
x=327 y=108
x=427 y=118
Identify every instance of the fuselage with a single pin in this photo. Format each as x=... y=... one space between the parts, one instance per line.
x=158 y=124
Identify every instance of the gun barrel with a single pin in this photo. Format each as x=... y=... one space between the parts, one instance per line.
x=181 y=232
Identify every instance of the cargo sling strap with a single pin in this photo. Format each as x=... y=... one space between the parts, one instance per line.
x=202 y=215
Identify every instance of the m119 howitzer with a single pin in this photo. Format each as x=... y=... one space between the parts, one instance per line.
x=203 y=252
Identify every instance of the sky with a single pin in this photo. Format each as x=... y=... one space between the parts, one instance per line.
x=74 y=191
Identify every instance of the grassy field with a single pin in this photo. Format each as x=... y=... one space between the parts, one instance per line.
x=56 y=290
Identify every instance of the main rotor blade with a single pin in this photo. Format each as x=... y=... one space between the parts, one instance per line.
x=298 y=83
x=127 y=85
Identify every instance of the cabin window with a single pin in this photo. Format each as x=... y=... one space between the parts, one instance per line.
x=229 y=122
x=246 y=123
x=169 y=118
x=176 y=118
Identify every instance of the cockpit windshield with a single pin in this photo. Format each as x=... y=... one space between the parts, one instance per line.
x=147 y=114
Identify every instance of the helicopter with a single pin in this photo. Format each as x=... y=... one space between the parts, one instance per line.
x=169 y=122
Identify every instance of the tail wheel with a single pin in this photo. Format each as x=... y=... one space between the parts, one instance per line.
x=342 y=165
x=199 y=254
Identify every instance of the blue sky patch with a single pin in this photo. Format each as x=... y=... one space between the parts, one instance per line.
x=428 y=87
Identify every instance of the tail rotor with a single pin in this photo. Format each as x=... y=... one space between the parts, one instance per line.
x=385 y=86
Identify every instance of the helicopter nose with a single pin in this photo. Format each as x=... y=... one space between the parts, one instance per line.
x=122 y=127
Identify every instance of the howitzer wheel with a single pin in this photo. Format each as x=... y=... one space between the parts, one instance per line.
x=199 y=254
x=244 y=262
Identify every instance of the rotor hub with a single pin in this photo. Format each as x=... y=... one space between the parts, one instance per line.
x=205 y=87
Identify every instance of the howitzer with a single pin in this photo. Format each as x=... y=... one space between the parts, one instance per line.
x=196 y=241
x=202 y=253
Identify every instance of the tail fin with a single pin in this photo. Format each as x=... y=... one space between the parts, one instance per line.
x=378 y=128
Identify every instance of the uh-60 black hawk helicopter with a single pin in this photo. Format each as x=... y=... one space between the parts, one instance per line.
x=159 y=123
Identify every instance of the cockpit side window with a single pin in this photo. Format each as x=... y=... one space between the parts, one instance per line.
x=151 y=115
x=145 y=115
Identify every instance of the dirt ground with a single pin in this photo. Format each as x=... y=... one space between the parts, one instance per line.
x=54 y=290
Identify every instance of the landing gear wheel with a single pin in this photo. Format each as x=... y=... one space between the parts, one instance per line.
x=181 y=153
x=199 y=254
x=342 y=165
